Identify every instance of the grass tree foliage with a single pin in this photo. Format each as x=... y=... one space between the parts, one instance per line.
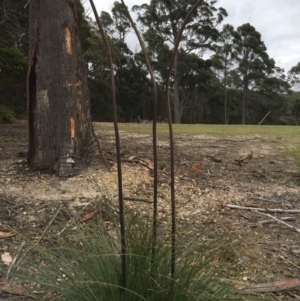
x=84 y=265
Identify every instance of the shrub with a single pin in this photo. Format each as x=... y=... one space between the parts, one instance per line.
x=7 y=115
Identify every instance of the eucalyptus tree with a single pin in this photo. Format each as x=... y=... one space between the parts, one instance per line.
x=294 y=77
x=270 y=97
x=295 y=110
x=199 y=90
x=252 y=58
x=131 y=78
x=195 y=77
x=13 y=54
x=13 y=70
x=223 y=60
x=161 y=20
x=14 y=24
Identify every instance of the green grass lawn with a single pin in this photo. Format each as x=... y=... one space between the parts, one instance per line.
x=211 y=129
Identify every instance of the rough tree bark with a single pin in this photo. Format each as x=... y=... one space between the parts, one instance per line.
x=177 y=103
x=61 y=135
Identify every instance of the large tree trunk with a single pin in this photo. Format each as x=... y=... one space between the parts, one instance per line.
x=225 y=96
x=244 y=105
x=61 y=135
x=177 y=104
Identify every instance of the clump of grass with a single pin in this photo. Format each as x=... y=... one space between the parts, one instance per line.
x=85 y=265
x=7 y=115
x=295 y=153
x=164 y=165
x=275 y=175
x=126 y=150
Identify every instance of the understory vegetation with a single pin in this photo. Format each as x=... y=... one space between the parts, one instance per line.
x=7 y=115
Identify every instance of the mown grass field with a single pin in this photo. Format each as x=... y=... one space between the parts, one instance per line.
x=210 y=129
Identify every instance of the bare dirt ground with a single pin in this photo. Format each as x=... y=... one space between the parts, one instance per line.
x=211 y=173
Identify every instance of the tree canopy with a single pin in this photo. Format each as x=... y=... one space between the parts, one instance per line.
x=221 y=74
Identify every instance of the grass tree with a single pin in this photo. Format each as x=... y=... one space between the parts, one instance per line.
x=92 y=265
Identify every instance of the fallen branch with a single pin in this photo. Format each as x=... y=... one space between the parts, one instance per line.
x=88 y=216
x=269 y=221
x=291 y=263
x=263 y=209
x=137 y=199
x=14 y=290
x=279 y=221
x=212 y=158
x=274 y=286
x=246 y=140
x=141 y=161
x=7 y=234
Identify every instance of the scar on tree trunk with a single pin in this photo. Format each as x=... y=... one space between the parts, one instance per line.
x=61 y=134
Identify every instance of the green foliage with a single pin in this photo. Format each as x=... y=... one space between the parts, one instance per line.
x=132 y=83
x=12 y=62
x=294 y=76
x=126 y=150
x=253 y=61
x=295 y=110
x=162 y=20
x=14 y=24
x=13 y=69
x=202 y=84
x=85 y=32
x=6 y=115
x=85 y=265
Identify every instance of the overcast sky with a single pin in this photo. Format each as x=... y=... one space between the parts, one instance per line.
x=278 y=21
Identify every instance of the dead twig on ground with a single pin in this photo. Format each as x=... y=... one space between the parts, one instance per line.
x=268 y=221
x=238 y=141
x=279 y=221
x=137 y=199
x=276 y=286
x=278 y=210
x=291 y=263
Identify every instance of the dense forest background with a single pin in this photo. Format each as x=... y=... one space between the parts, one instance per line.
x=221 y=74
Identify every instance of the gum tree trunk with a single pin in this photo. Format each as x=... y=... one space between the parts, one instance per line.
x=61 y=135
x=177 y=103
